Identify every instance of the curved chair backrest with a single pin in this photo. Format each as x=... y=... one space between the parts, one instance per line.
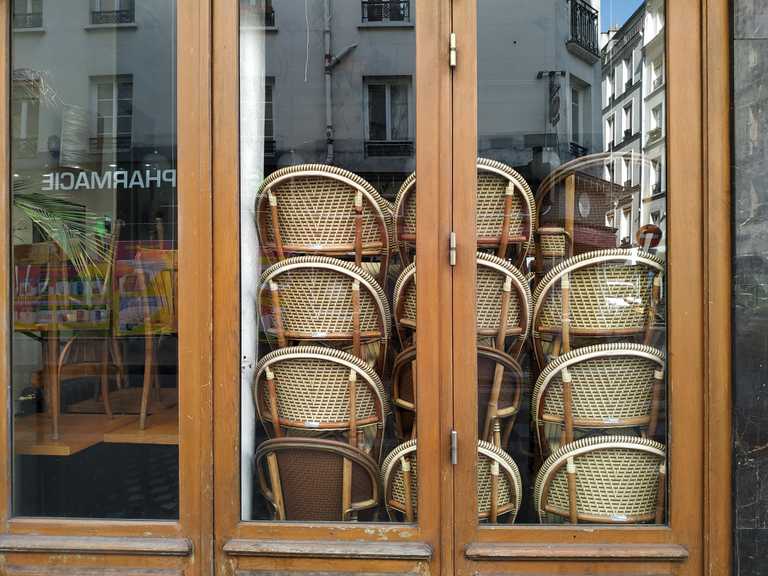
x=322 y=299
x=602 y=294
x=506 y=212
x=307 y=390
x=309 y=479
x=323 y=210
x=501 y=288
x=572 y=201
x=616 y=479
x=608 y=386
x=496 y=473
x=489 y=360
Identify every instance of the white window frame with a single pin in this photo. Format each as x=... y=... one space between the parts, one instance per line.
x=387 y=82
x=119 y=5
x=628 y=117
x=96 y=81
x=28 y=5
x=657 y=117
x=610 y=130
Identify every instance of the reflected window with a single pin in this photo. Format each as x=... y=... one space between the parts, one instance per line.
x=25 y=114
x=27 y=14
x=386 y=10
x=112 y=11
x=113 y=98
x=389 y=117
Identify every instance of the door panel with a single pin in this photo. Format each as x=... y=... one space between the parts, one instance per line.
x=568 y=251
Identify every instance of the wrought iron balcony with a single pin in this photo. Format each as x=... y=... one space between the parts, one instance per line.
x=24 y=147
x=113 y=16
x=384 y=148
x=654 y=134
x=110 y=144
x=270 y=147
x=28 y=20
x=386 y=10
x=577 y=150
x=584 y=41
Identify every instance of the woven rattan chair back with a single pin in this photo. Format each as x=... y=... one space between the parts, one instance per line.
x=507 y=397
x=506 y=213
x=503 y=300
x=572 y=201
x=310 y=479
x=497 y=474
x=323 y=210
x=317 y=299
x=309 y=391
x=603 y=295
x=404 y=215
x=603 y=479
x=604 y=387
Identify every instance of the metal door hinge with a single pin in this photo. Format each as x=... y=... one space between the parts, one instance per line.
x=454 y=447
x=452 y=50
x=452 y=249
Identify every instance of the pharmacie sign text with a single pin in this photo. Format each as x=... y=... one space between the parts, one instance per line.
x=135 y=179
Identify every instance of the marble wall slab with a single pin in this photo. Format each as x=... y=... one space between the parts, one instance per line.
x=750 y=316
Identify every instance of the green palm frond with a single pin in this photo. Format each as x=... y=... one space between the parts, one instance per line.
x=75 y=229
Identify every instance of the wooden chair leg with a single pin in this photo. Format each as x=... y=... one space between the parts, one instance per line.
x=568 y=404
x=346 y=490
x=405 y=466
x=147 y=384
x=117 y=359
x=662 y=491
x=105 y=378
x=572 y=504
x=493 y=514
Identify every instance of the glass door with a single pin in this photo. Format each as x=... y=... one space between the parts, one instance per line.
x=328 y=293
x=577 y=343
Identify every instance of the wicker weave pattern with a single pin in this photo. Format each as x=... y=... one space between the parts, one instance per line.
x=490 y=208
x=405 y=292
x=510 y=484
x=405 y=205
x=609 y=382
x=552 y=245
x=492 y=272
x=610 y=289
x=316 y=296
x=616 y=477
x=316 y=205
x=312 y=386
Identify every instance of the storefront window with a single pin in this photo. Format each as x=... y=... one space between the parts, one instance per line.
x=570 y=300
x=94 y=260
x=328 y=274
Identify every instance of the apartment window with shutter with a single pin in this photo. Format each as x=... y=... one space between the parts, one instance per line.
x=388 y=117
x=113 y=103
x=27 y=14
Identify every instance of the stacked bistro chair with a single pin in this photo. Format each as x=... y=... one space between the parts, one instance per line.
x=603 y=296
x=318 y=392
x=503 y=322
x=605 y=479
x=327 y=301
x=506 y=213
x=321 y=210
x=316 y=480
x=607 y=387
x=499 y=487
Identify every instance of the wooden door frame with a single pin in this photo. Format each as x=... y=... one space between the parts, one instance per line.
x=348 y=547
x=72 y=547
x=699 y=535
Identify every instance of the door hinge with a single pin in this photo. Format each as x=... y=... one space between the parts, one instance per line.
x=452 y=249
x=452 y=50
x=454 y=447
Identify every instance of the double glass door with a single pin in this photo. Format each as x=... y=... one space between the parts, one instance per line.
x=355 y=285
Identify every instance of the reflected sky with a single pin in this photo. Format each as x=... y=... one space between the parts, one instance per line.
x=616 y=12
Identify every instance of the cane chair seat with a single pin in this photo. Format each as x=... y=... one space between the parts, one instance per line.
x=618 y=480
x=311 y=299
x=488 y=360
x=503 y=195
x=610 y=294
x=317 y=208
x=613 y=386
x=304 y=479
x=399 y=474
x=307 y=390
x=495 y=276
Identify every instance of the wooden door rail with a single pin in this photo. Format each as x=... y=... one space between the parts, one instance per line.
x=585 y=552
x=330 y=549
x=97 y=545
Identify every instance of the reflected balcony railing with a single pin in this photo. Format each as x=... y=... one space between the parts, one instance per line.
x=28 y=20
x=584 y=34
x=270 y=147
x=389 y=148
x=654 y=134
x=577 y=150
x=386 y=10
x=110 y=144
x=112 y=16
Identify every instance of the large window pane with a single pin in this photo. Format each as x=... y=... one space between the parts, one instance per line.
x=94 y=229
x=327 y=262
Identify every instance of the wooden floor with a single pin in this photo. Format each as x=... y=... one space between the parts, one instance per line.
x=33 y=434
x=162 y=428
